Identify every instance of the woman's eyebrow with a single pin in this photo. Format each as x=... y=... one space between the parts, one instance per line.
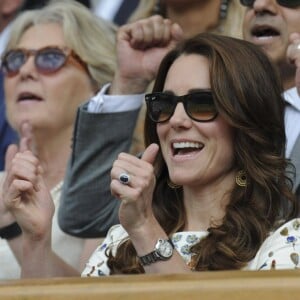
x=195 y=90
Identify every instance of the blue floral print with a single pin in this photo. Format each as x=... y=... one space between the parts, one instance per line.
x=281 y=250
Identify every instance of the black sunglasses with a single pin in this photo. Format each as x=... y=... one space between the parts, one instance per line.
x=286 y=3
x=199 y=106
x=47 y=60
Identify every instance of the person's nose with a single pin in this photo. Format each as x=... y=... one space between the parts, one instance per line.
x=180 y=119
x=28 y=68
x=265 y=6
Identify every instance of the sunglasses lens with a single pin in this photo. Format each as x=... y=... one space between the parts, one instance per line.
x=200 y=107
x=248 y=3
x=289 y=3
x=50 y=60
x=286 y=3
x=160 y=106
x=13 y=61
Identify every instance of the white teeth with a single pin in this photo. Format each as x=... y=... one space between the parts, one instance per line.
x=265 y=37
x=182 y=145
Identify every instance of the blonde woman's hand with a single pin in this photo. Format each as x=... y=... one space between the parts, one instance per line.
x=140 y=48
x=136 y=196
x=293 y=54
x=6 y=217
x=25 y=194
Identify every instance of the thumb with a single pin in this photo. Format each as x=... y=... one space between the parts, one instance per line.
x=177 y=32
x=150 y=153
x=26 y=137
x=10 y=154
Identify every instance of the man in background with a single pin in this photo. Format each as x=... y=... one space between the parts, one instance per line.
x=274 y=25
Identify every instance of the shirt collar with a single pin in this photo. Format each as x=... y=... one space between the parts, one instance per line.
x=291 y=97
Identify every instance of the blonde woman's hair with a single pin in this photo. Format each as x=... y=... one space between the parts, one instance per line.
x=91 y=37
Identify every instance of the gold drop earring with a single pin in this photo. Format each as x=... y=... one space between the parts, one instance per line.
x=241 y=178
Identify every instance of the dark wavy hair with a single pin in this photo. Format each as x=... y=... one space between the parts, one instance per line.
x=247 y=92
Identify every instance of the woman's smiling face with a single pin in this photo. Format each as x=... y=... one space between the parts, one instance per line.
x=196 y=153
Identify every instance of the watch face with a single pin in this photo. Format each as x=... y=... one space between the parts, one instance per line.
x=164 y=248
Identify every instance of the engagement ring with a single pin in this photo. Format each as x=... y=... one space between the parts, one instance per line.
x=124 y=178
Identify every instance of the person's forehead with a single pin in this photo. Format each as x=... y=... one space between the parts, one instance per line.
x=42 y=35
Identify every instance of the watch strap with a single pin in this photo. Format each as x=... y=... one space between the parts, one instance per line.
x=149 y=258
x=154 y=256
x=11 y=231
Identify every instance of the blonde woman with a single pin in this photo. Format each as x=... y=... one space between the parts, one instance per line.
x=57 y=58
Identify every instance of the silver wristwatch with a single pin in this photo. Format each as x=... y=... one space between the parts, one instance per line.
x=163 y=251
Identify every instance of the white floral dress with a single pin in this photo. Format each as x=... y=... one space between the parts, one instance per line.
x=281 y=250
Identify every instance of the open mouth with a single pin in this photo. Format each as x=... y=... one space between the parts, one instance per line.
x=264 y=32
x=28 y=97
x=184 y=148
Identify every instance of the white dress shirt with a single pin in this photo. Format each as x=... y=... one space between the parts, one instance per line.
x=292 y=118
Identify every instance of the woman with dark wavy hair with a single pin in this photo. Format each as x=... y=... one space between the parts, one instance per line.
x=210 y=191
x=218 y=186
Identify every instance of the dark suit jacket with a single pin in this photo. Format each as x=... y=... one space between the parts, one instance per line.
x=87 y=208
